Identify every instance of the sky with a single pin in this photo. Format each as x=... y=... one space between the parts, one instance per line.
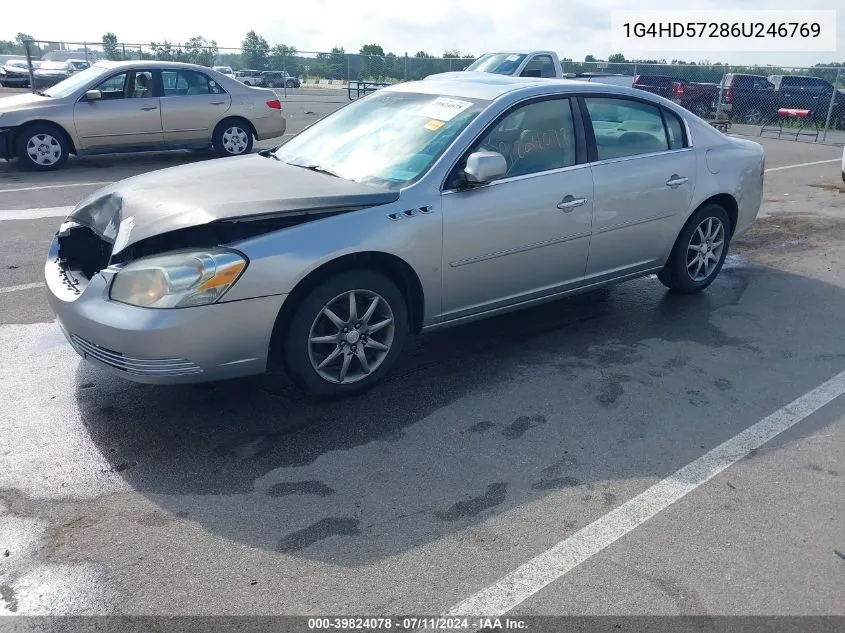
x=572 y=28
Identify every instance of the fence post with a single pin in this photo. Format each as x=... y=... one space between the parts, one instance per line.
x=85 y=46
x=124 y=50
x=830 y=107
x=721 y=94
x=285 y=73
x=406 y=66
x=27 y=44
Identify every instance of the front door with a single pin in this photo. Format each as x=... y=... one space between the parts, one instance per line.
x=127 y=115
x=191 y=105
x=644 y=178
x=527 y=234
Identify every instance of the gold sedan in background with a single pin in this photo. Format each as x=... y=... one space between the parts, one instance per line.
x=137 y=106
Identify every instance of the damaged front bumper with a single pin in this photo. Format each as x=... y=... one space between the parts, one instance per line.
x=161 y=346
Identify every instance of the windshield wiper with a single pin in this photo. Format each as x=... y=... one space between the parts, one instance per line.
x=269 y=153
x=318 y=168
x=41 y=93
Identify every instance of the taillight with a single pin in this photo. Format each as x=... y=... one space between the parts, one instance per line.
x=729 y=95
x=275 y=104
x=679 y=89
x=636 y=80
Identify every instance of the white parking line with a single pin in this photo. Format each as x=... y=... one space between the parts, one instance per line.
x=21 y=287
x=528 y=579
x=70 y=184
x=815 y=162
x=31 y=214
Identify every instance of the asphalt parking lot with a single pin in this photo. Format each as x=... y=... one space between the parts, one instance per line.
x=623 y=452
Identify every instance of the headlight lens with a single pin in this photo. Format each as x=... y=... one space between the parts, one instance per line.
x=179 y=279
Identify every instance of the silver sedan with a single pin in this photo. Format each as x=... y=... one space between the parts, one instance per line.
x=423 y=205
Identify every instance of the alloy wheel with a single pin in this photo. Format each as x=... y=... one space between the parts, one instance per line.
x=351 y=336
x=705 y=249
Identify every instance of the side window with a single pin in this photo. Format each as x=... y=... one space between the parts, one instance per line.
x=539 y=66
x=129 y=85
x=623 y=127
x=536 y=137
x=674 y=129
x=178 y=83
x=113 y=87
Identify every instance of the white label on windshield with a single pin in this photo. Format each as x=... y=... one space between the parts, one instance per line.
x=444 y=109
x=512 y=58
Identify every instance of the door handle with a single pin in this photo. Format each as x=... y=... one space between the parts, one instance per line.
x=218 y=103
x=149 y=107
x=570 y=202
x=676 y=181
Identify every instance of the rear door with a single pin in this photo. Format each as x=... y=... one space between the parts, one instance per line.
x=644 y=175
x=191 y=105
x=126 y=116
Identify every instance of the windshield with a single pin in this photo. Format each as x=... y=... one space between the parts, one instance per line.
x=498 y=63
x=17 y=63
x=387 y=138
x=74 y=82
x=79 y=65
x=54 y=65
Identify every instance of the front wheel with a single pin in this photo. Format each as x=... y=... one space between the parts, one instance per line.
x=290 y=83
x=232 y=138
x=42 y=147
x=699 y=251
x=345 y=335
x=752 y=116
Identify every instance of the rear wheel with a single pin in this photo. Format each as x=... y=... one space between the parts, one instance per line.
x=752 y=116
x=346 y=334
x=290 y=83
x=232 y=137
x=42 y=147
x=699 y=251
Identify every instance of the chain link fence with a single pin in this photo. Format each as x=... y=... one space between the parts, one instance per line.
x=799 y=100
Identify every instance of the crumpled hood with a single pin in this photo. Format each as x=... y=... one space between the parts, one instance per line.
x=241 y=188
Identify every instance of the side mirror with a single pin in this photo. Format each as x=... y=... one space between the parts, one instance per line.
x=484 y=167
x=93 y=95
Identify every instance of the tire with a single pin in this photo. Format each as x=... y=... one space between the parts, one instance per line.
x=42 y=147
x=290 y=83
x=232 y=137
x=302 y=358
x=752 y=116
x=682 y=272
x=271 y=84
x=701 y=110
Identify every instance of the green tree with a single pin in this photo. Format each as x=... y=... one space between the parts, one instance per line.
x=110 y=49
x=201 y=51
x=20 y=38
x=283 y=57
x=371 y=62
x=337 y=63
x=617 y=58
x=590 y=58
x=168 y=52
x=256 y=51
x=372 y=49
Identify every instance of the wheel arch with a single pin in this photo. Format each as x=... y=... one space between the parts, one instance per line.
x=394 y=268
x=235 y=117
x=19 y=129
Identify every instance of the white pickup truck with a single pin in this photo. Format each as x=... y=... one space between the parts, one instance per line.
x=536 y=64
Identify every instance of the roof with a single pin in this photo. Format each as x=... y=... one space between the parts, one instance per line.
x=489 y=86
x=148 y=63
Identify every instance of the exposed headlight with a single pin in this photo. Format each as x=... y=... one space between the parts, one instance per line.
x=179 y=279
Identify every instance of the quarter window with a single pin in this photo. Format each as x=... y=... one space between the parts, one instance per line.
x=674 y=129
x=623 y=127
x=536 y=137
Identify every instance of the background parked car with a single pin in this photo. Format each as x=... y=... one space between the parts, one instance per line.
x=15 y=74
x=695 y=97
x=663 y=85
x=50 y=73
x=810 y=93
x=225 y=70
x=137 y=106
x=280 y=78
x=250 y=77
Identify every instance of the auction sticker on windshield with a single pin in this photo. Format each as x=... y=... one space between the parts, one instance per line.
x=444 y=108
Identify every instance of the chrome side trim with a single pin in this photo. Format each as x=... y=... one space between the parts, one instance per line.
x=519 y=249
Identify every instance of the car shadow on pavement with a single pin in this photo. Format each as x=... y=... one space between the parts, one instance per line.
x=566 y=399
